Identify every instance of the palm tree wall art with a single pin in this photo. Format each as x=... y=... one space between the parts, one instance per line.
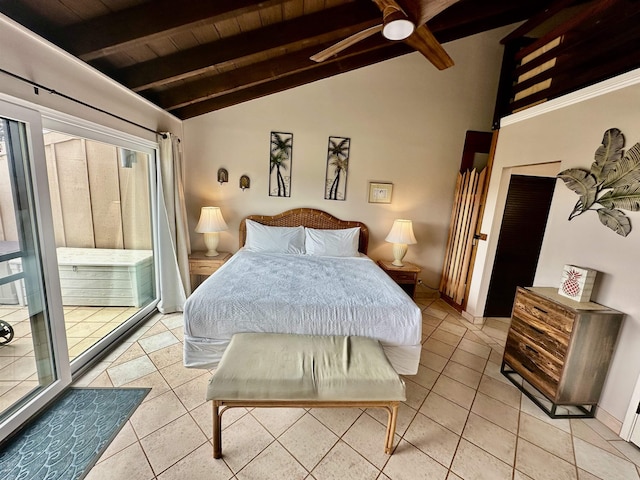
x=280 y=159
x=337 y=168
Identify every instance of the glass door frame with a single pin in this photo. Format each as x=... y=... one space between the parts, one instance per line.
x=84 y=129
x=35 y=401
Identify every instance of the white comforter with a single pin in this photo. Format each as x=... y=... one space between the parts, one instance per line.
x=303 y=294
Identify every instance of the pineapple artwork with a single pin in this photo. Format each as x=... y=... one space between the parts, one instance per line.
x=577 y=283
x=571 y=285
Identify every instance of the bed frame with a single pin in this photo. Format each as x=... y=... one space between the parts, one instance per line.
x=307 y=217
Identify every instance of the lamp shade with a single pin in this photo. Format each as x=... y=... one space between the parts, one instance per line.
x=401 y=232
x=211 y=220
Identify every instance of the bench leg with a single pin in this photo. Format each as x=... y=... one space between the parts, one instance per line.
x=391 y=427
x=217 y=431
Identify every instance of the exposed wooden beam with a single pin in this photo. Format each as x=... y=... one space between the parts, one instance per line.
x=596 y=8
x=262 y=72
x=281 y=84
x=469 y=17
x=148 y=21
x=538 y=19
x=33 y=20
x=254 y=74
x=335 y=22
x=266 y=72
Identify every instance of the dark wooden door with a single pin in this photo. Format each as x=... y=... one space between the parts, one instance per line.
x=520 y=240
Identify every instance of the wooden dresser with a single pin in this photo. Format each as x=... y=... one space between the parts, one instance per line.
x=560 y=347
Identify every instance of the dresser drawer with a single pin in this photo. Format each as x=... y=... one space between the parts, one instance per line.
x=197 y=268
x=534 y=365
x=401 y=277
x=537 y=311
x=549 y=340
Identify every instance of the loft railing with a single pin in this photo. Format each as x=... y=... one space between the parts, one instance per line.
x=572 y=45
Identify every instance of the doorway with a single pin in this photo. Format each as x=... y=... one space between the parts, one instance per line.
x=520 y=240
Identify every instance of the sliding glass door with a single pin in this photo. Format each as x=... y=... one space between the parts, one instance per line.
x=101 y=202
x=34 y=364
x=77 y=263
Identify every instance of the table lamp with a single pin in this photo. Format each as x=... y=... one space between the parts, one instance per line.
x=211 y=223
x=401 y=235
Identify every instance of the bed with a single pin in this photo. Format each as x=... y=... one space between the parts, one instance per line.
x=318 y=291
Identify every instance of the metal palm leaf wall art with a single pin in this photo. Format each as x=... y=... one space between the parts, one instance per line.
x=280 y=160
x=613 y=182
x=337 y=168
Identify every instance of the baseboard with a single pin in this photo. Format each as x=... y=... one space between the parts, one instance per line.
x=609 y=420
x=471 y=319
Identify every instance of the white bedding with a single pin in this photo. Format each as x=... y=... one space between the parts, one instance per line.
x=303 y=294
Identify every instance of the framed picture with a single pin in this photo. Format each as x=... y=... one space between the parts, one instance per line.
x=337 y=168
x=280 y=160
x=380 y=192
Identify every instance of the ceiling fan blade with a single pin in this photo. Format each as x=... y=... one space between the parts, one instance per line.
x=423 y=41
x=346 y=43
x=424 y=10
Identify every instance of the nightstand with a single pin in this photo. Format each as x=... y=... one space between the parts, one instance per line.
x=405 y=276
x=201 y=266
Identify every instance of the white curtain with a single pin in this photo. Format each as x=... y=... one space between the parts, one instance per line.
x=173 y=232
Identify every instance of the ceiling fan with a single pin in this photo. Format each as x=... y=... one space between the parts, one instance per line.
x=402 y=20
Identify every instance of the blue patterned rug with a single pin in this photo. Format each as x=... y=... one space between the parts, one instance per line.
x=67 y=439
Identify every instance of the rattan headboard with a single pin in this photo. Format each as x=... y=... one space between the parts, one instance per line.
x=307 y=217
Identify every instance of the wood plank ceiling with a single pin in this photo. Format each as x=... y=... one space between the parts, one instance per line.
x=194 y=56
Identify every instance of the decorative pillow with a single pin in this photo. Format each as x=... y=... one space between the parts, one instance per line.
x=263 y=238
x=332 y=243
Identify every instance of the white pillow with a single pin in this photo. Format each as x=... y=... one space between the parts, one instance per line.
x=263 y=238
x=332 y=243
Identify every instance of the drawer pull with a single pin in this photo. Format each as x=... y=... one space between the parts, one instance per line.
x=527 y=347
x=536 y=329
x=541 y=310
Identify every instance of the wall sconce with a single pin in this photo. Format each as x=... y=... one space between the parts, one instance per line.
x=245 y=182
x=401 y=235
x=223 y=176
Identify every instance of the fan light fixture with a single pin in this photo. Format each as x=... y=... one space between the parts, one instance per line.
x=397 y=26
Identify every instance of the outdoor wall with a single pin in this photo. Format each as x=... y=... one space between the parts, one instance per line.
x=95 y=201
x=406 y=121
x=570 y=135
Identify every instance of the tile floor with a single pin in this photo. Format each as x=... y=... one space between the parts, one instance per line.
x=462 y=420
x=84 y=326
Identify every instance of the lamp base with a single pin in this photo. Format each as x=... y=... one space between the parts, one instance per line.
x=399 y=251
x=211 y=240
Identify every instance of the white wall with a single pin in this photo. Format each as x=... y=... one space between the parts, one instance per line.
x=571 y=135
x=407 y=124
x=29 y=56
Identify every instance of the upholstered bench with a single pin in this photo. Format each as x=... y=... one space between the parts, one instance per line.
x=282 y=370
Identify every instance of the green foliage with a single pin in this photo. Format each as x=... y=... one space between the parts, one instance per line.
x=615 y=220
x=613 y=182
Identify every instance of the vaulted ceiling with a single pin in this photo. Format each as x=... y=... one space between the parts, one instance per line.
x=191 y=57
